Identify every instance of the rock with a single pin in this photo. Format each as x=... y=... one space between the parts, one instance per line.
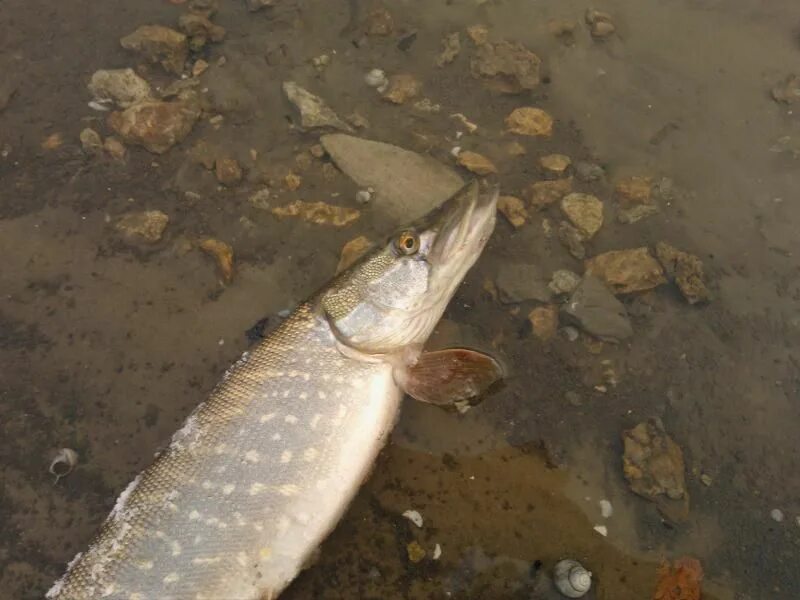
x=376 y=78
x=636 y=213
x=228 y=171
x=91 y=142
x=479 y=34
x=357 y=120
x=199 y=67
x=401 y=88
x=543 y=193
x=256 y=5
x=352 y=251
x=159 y=44
x=564 y=282
x=508 y=67
x=632 y=191
x=585 y=212
x=53 y=141
x=145 y=226
x=415 y=552
x=406 y=184
x=292 y=181
x=530 y=121
x=681 y=581
x=379 y=22
x=314 y=112
x=200 y=29
x=205 y=8
x=776 y=514
x=222 y=253
x=114 y=148
x=555 y=163
x=544 y=321
x=653 y=465
x=477 y=163
x=686 y=270
x=593 y=308
x=513 y=209
x=626 y=271
x=562 y=29
x=317 y=151
x=588 y=172
x=706 y=479
x=788 y=90
x=123 y=86
x=515 y=149
x=319 y=213
x=519 y=282
x=154 y=124
x=572 y=240
x=451 y=47
x=600 y=24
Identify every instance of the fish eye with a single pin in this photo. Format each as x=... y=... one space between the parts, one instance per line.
x=407 y=243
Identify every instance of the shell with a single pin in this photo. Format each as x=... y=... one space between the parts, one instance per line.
x=63 y=463
x=571 y=578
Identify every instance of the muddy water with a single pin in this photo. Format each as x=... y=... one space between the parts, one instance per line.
x=105 y=348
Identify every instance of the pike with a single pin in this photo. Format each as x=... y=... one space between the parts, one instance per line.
x=262 y=471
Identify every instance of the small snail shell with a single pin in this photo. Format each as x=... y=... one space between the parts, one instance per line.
x=571 y=578
x=63 y=463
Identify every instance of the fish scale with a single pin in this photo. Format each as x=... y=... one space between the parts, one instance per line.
x=224 y=511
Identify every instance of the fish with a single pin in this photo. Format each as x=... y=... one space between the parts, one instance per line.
x=261 y=471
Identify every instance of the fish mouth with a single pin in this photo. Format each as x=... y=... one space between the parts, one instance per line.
x=465 y=223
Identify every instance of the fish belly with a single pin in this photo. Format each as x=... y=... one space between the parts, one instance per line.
x=252 y=484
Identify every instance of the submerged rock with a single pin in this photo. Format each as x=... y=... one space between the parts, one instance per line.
x=544 y=321
x=159 y=44
x=314 y=112
x=513 y=209
x=519 y=282
x=788 y=90
x=593 y=308
x=154 y=124
x=477 y=163
x=91 y=142
x=145 y=226
x=572 y=240
x=379 y=22
x=123 y=86
x=585 y=212
x=451 y=47
x=686 y=270
x=401 y=88
x=256 y=5
x=564 y=282
x=588 y=172
x=626 y=271
x=319 y=213
x=406 y=184
x=228 y=171
x=222 y=253
x=544 y=193
x=555 y=163
x=479 y=34
x=508 y=67
x=632 y=191
x=200 y=29
x=530 y=121
x=600 y=24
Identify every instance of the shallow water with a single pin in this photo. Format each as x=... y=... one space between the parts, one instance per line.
x=105 y=348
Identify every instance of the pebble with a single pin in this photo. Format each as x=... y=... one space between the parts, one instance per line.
x=122 y=86
x=91 y=142
x=588 y=172
x=53 y=141
x=776 y=515
x=594 y=309
x=228 y=171
x=513 y=209
x=260 y=199
x=199 y=67
x=544 y=321
x=414 y=516
x=376 y=78
x=606 y=509
x=706 y=480
x=200 y=30
x=634 y=190
x=314 y=112
x=477 y=163
x=570 y=333
x=222 y=254
x=401 y=88
x=451 y=47
x=687 y=272
x=788 y=90
x=144 y=226
x=292 y=181
x=364 y=196
x=600 y=24
x=415 y=552
x=544 y=193
x=601 y=529
x=154 y=124
x=515 y=149
x=572 y=240
x=626 y=271
x=437 y=552
x=555 y=163
x=379 y=22
x=585 y=212
x=529 y=120
x=114 y=148
x=479 y=34
x=507 y=67
x=159 y=44
x=564 y=281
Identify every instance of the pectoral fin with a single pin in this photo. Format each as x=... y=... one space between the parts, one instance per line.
x=450 y=377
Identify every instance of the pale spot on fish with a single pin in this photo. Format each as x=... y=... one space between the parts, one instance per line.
x=171 y=578
x=325 y=377
x=308 y=361
x=228 y=488
x=286 y=393
x=258 y=527
x=207 y=485
x=306 y=376
x=241 y=558
x=339 y=379
x=321 y=484
x=293 y=373
x=357 y=383
x=265 y=553
x=252 y=456
x=288 y=489
x=194 y=515
x=135 y=596
x=286 y=456
x=322 y=395
x=197 y=540
x=109 y=589
x=283 y=524
x=276 y=437
x=315 y=420
x=303 y=395
x=237 y=516
x=257 y=488
x=210 y=560
x=290 y=419
x=221 y=469
x=310 y=454
x=176 y=549
x=303 y=518
x=219 y=448
x=267 y=418
x=145 y=565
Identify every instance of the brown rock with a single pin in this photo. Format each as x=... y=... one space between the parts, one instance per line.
x=415 y=552
x=199 y=67
x=544 y=193
x=379 y=22
x=515 y=149
x=314 y=112
x=159 y=44
x=222 y=253
x=572 y=240
x=686 y=270
x=530 y=121
x=52 y=141
x=653 y=465
x=633 y=190
x=585 y=212
x=198 y=26
x=513 y=209
x=563 y=29
x=114 y=148
x=555 y=163
x=292 y=181
x=788 y=90
x=352 y=251
x=600 y=24
x=228 y=171
x=451 y=47
x=91 y=142
x=123 y=86
x=319 y=213
x=317 y=151
x=477 y=163
x=544 y=321
x=681 y=581
x=507 y=67
x=626 y=271
x=402 y=87
x=154 y=124
x=479 y=34
x=145 y=226
x=636 y=213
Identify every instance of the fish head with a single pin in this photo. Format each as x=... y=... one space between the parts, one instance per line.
x=392 y=298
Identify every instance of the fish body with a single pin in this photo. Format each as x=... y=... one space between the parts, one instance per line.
x=263 y=470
